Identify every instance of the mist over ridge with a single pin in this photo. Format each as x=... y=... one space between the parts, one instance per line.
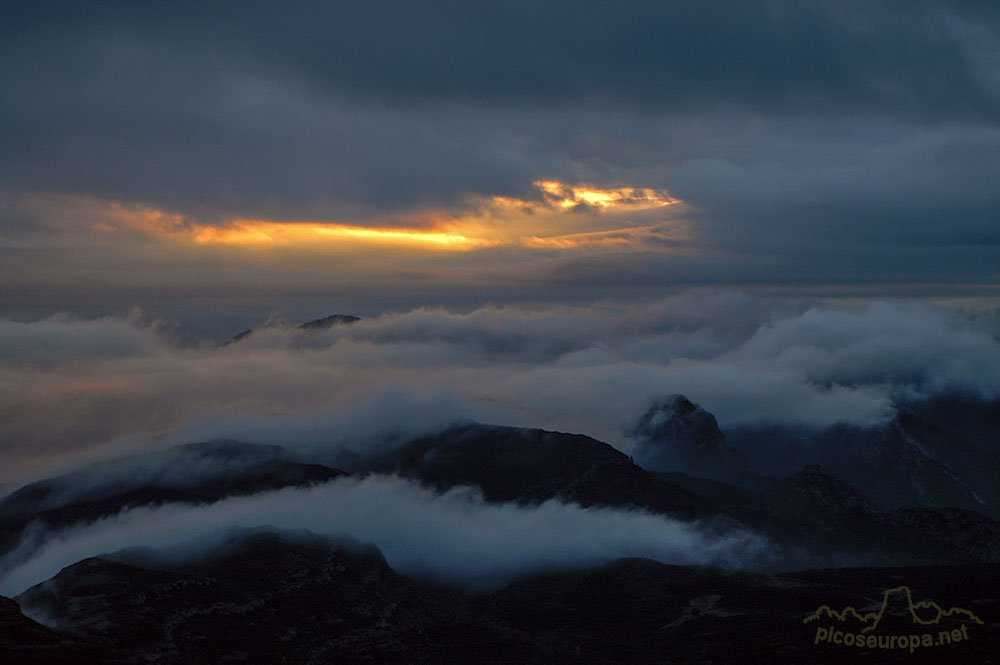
x=126 y=383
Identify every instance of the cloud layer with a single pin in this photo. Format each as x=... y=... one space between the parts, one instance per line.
x=454 y=536
x=109 y=386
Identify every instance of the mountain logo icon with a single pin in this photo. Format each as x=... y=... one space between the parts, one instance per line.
x=924 y=613
x=924 y=628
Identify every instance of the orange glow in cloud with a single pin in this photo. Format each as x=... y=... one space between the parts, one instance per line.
x=262 y=232
x=118 y=217
x=564 y=217
x=614 y=237
x=632 y=198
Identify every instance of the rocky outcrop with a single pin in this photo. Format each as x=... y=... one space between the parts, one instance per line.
x=533 y=465
x=677 y=435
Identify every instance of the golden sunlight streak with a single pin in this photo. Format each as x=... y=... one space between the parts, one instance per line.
x=564 y=217
x=567 y=196
x=261 y=232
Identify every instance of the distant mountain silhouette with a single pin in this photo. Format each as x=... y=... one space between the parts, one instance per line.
x=316 y=324
x=329 y=322
x=533 y=465
x=260 y=598
x=835 y=522
x=812 y=511
x=935 y=453
x=193 y=473
x=677 y=435
x=815 y=516
x=298 y=598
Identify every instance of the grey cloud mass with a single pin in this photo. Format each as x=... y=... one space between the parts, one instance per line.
x=932 y=57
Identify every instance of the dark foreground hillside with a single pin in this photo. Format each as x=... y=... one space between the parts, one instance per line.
x=921 y=576
x=267 y=598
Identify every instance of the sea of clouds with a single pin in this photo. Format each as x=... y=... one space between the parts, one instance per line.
x=73 y=390
x=78 y=391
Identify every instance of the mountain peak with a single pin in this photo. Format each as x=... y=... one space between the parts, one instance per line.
x=676 y=417
x=821 y=488
x=329 y=322
x=534 y=465
x=676 y=434
x=316 y=324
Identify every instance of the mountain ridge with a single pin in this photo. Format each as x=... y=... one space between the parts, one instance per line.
x=323 y=323
x=271 y=597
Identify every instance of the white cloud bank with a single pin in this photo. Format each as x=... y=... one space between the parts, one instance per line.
x=70 y=387
x=454 y=536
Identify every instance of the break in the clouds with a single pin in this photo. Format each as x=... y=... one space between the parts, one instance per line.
x=83 y=389
x=455 y=536
x=803 y=143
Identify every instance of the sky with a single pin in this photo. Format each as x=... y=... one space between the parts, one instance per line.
x=214 y=163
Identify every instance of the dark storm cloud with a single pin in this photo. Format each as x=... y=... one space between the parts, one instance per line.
x=216 y=101
x=813 y=141
x=925 y=57
x=928 y=178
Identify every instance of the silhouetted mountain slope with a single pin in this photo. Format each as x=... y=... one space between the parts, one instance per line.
x=937 y=453
x=641 y=611
x=812 y=511
x=944 y=534
x=238 y=337
x=192 y=473
x=266 y=598
x=263 y=599
x=815 y=516
x=826 y=513
x=533 y=465
x=677 y=435
x=316 y=324
x=25 y=641
x=815 y=510
x=825 y=508
x=329 y=322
